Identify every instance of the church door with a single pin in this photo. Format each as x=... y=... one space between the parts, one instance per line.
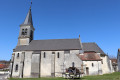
x=87 y=71
x=53 y=64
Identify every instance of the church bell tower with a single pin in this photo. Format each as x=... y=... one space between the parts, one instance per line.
x=26 y=30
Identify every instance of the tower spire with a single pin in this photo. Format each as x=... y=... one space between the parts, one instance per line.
x=28 y=19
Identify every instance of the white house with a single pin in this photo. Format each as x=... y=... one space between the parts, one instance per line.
x=92 y=63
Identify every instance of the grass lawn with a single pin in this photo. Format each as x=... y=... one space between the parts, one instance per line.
x=113 y=76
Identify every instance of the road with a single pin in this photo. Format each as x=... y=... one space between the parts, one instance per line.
x=3 y=76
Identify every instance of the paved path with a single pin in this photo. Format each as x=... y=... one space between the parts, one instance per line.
x=3 y=76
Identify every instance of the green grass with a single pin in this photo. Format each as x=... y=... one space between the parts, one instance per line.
x=113 y=76
x=38 y=79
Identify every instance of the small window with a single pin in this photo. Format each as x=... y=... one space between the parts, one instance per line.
x=92 y=65
x=58 y=55
x=102 y=61
x=18 y=55
x=16 y=67
x=44 y=55
x=53 y=52
x=67 y=51
x=25 y=31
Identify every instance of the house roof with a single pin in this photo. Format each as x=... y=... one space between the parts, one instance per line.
x=4 y=62
x=52 y=44
x=1 y=66
x=92 y=47
x=114 y=60
x=89 y=56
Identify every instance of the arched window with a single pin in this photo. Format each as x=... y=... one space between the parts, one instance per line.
x=25 y=31
x=16 y=67
x=92 y=65
x=18 y=55
x=58 y=55
x=44 y=55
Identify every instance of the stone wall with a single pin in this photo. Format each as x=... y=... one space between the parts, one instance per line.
x=44 y=63
x=35 y=66
x=106 y=67
x=118 y=60
x=27 y=64
x=94 y=67
x=16 y=61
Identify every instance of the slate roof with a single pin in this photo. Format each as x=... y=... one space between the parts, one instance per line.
x=59 y=44
x=52 y=44
x=28 y=19
x=89 y=57
x=92 y=47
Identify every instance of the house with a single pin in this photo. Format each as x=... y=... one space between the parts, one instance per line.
x=114 y=65
x=105 y=60
x=4 y=64
x=92 y=63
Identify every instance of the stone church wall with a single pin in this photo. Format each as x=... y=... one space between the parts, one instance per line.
x=27 y=64
x=59 y=63
x=17 y=60
x=35 y=66
x=46 y=64
x=52 y=65
x=73 y=58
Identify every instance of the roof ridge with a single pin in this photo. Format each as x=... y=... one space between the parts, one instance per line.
x=89 y=42
x=57 y=39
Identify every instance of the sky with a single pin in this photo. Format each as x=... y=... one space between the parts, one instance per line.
x=95 y=20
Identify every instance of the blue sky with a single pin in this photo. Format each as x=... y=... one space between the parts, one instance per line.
x=95 y=20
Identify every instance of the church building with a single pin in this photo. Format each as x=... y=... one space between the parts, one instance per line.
x=50 y=58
